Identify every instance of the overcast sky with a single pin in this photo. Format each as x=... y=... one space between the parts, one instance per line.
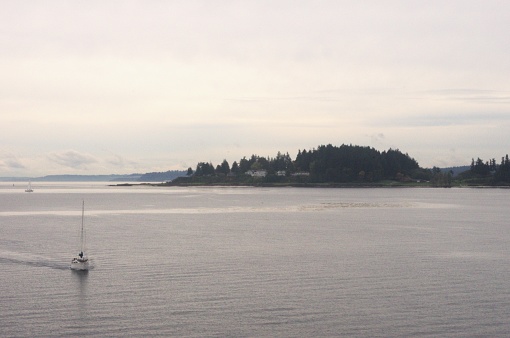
x=100 y=87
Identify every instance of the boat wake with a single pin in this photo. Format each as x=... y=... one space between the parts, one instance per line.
x=32 y=260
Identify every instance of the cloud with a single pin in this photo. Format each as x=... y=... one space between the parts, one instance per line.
x=448 y=119
x=119 y=161
x=469 y=95
x=168 y=84
x=11 y=163
x=72 y=159
x=376 y=138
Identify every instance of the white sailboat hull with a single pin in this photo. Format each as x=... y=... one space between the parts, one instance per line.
x=77 y=264
x=29 y=188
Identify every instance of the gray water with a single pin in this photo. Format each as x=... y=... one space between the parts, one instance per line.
x=253 y=262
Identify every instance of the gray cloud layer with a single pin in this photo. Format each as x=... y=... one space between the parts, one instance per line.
x=161 y=85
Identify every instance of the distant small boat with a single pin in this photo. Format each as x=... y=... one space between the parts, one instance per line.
x=81 y=262
x=29 y=188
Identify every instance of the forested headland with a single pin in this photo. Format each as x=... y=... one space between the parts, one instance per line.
x=486 y=173
x=345 y=165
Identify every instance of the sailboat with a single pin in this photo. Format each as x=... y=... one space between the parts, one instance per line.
x=29 y=188
x=81 y=262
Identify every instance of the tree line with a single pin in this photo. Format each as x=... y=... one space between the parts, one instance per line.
x=488 y=171
x=326 y=163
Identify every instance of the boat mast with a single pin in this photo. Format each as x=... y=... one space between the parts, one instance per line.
x=82 y=214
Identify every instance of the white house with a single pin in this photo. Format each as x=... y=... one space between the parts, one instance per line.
x=301 y=173
x=257 y=173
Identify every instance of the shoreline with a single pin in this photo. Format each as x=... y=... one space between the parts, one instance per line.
x=311 y=185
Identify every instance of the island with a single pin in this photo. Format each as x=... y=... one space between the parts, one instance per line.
x=342 y=166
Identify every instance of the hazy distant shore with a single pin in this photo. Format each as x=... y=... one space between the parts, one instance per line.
x=146 y=177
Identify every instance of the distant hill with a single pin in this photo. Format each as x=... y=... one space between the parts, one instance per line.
x=456 y=170
x=147 y=177
x=161 y=176
x=74 y=178
x=87 y=178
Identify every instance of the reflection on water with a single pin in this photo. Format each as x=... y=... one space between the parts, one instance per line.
x=262 y=208
x=80 y=274
x=81 y=295
x=82 y=277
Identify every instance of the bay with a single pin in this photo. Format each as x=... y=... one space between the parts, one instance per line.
x=245 y=262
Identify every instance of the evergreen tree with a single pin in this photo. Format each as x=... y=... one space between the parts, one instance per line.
x=235 y=168
x=480 y=168
x=502 y=174
x=204 y=169
x=225 y=167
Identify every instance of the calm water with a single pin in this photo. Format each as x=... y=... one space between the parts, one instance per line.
x=246 y=262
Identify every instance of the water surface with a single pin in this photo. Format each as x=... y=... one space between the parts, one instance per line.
x=248 y=262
